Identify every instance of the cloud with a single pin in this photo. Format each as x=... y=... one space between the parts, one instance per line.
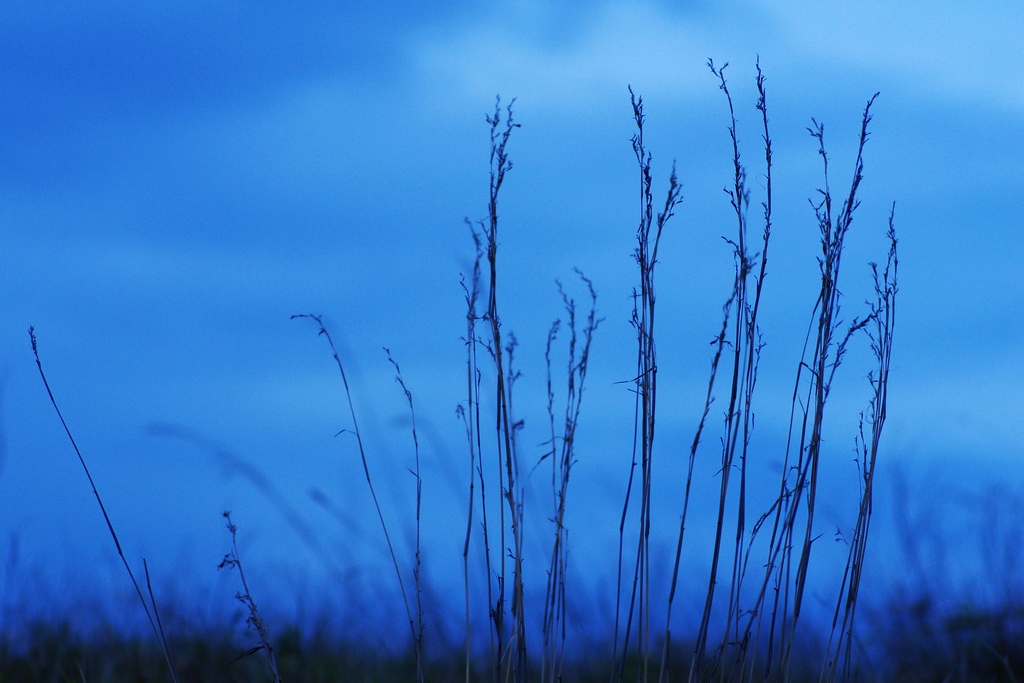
x=602 y=51
x=946 y=50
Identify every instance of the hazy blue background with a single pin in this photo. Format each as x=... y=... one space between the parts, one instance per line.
x=176 y=181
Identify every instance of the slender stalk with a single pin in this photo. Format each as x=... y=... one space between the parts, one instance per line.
x=739 y=198
x=153 y=621
x=883 y=317
x=562 y=461
x=709 y=398
x=232 y=559
x=470 y=414
x=417 y=567
x=646 y=254
x=500 y=165
x=510 y=520
x=322 y=331
x=741 y=315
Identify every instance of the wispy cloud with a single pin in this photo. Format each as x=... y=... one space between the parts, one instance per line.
x=950 y=51
x=601 y=50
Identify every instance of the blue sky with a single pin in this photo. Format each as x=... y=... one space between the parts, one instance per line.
x=177 y=181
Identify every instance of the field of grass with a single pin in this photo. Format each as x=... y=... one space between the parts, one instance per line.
x=519 y=617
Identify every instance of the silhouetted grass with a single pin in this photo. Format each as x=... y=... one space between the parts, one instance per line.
x=749 y=626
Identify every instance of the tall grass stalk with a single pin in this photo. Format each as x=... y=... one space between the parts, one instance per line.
x=508 y=647
x=883 y=322
x=322 y=331
x=150 y=608
x=470 y=415
x=504 y=424
x=745 y=331
x=744 y=345
x=417 y=566
x=563 y=457
x=646 y=381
